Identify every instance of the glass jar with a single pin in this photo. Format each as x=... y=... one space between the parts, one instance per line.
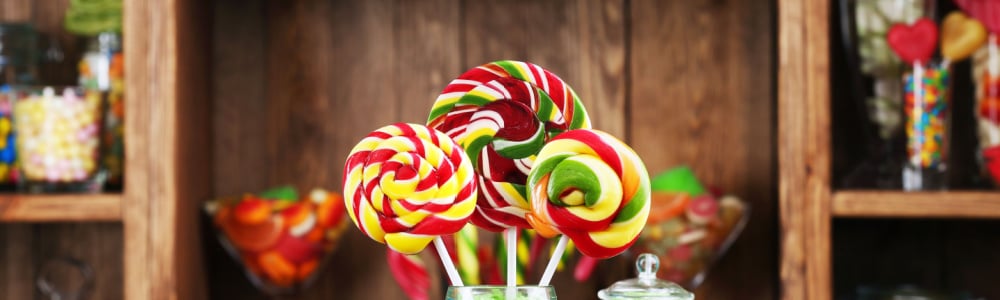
x=102 y=74
x=57 y=140
x=18 y=54
x=647 y=286
x=926 y=109
x=986 y=74
x=875 y=83
x=500 y=292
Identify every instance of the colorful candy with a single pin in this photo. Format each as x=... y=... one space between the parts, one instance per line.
x=960 y=36
x=466 y=242
x=406 y=184
x=410 y=273
x=502 y=113
x=591 y=187
x=914 y=43
x=926 y=107
x=57 y=136
x=986 y=72
x=280 y=241
x=688 y=231
x=8 y=142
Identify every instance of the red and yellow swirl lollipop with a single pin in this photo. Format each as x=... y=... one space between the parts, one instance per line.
x=502 y=113
x=406 y=184
x=592 y=188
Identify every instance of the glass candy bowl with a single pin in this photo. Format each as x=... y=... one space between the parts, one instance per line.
x=688 y=234
x=280 y=240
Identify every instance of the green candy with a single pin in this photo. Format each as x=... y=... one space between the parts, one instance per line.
x=283 y=193
x=679 y=179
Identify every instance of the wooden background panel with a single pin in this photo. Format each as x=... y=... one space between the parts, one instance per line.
x=296 y=85
x=700 y=95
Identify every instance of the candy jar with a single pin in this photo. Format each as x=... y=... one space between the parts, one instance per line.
x=500 y=292
x=875 y=82
x=57 y=140
x=689 y=227
x=926 y=109
x=8 y=154
x=18 y=54
x=646 y=286
x=101 y=74
x=986 y=74
x=279 y=239
x=65 y=278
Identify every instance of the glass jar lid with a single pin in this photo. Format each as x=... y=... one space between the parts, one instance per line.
x=647 y=286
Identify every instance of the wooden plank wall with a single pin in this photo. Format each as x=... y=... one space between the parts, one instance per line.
x=25 y=247
x=297 y=83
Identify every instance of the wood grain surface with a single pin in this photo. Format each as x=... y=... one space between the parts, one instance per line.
x=60 y=208
x=804 y=149
x=298 y=83
x=699 y=97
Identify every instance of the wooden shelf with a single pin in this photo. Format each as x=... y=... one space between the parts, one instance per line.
x=898 y=204
x=60 y=208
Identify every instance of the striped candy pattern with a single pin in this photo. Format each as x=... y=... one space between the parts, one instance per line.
x=405 y=184
x=591 y=187
x=502 y=113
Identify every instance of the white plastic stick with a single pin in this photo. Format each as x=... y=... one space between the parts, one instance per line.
x=550 y=269
x=511 y=236
x=449 y=267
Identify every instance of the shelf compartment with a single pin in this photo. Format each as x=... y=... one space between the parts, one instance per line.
x=899 y=204
x=60 y=207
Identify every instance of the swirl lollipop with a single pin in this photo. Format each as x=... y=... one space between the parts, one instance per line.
x=593 y=189
x=502 y=113
x=406 y=184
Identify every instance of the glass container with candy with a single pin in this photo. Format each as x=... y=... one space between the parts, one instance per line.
x=57 y=140
x=876 y=82
x=102 y=75
x=986 y=73
x=926 y=109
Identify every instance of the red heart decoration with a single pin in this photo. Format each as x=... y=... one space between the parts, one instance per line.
x=986 y=11
x=913 y=43
x=992 y=157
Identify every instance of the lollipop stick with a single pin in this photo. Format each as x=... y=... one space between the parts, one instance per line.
x=449 y=267
x=511 y=237
x=550 y=269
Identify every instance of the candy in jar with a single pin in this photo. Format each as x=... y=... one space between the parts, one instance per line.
x=57 y=137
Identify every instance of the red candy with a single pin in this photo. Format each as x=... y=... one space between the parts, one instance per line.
x=914 y=43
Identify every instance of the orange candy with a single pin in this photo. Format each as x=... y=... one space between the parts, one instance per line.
x=666 y=206
x=252 y=211
x=277 y=268
x=306 y=269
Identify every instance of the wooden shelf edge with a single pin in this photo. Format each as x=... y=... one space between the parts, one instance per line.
x=60 y=208
x=899 y=204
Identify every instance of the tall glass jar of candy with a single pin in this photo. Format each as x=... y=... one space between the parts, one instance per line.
x=926 y=109
x=102 y=75
x=986 y=74
x=875 y=80
x=57 y=141
x=18 y=66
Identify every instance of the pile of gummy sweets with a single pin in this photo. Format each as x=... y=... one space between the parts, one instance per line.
x=690 y=226
x=280 y=239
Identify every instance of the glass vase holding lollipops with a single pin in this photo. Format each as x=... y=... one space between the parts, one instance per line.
x=875 y=86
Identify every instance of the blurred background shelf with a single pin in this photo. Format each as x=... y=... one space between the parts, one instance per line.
x=898 y=204
x=60 y=208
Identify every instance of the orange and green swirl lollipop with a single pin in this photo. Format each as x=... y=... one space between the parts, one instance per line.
x=592 y=188
x=406 y=184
